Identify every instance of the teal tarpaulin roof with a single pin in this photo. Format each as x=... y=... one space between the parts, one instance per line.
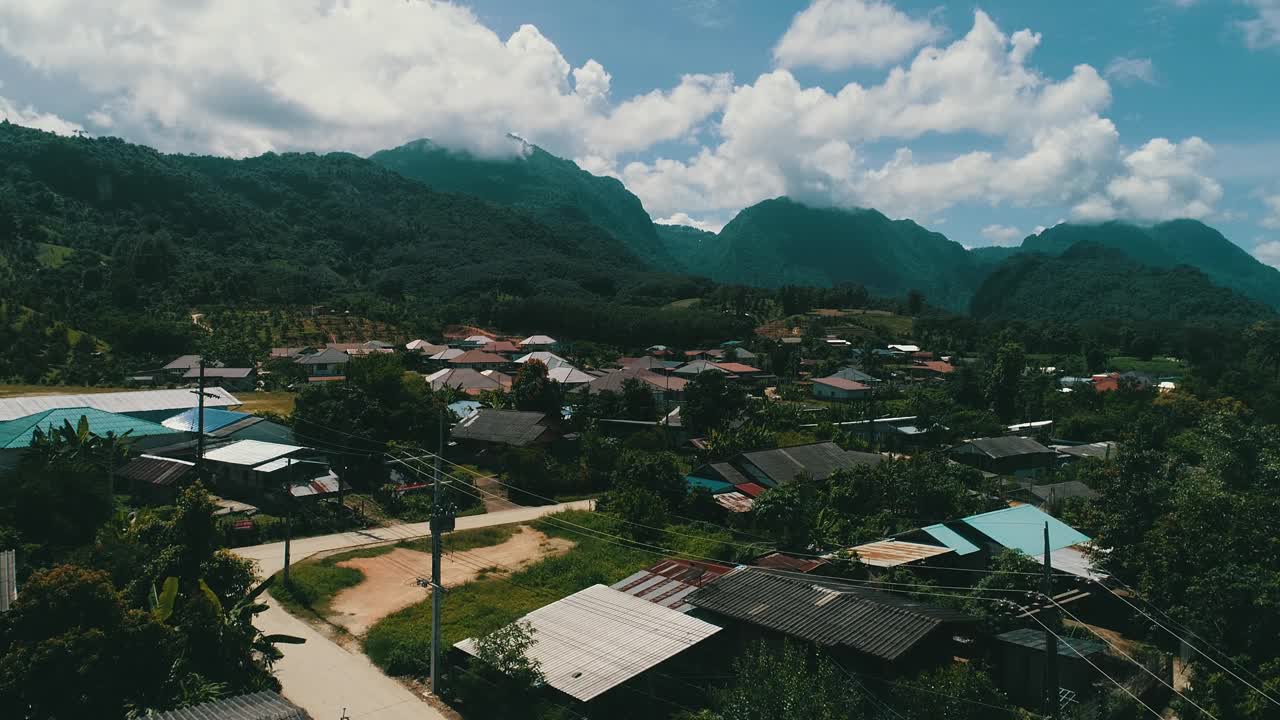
x=715 y=486
x=1022 y=528
x=19 y=433
x=950 y=538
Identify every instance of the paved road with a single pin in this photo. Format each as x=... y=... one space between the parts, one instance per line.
x=321 y=676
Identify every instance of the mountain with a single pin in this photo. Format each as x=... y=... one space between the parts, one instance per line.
x=692 y=250
x=1092 y=282
x=537 y=181
x=783 y=242
x=1179 y=242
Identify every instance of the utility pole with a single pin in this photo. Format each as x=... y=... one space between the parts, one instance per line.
x=1050 y=639
x=288 y=517
x=200 y=424
x=437 y=591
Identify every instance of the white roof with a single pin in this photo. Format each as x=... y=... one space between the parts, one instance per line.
x=250 y=452
x=274 y=465
x=479 y=339
x=117 y=402
x=550 y=359
x=538 y=340
x=598 y=638
x=447 y=354
x=419 y=345
x=905 y=348
x=569 y=375
x=1072 y=559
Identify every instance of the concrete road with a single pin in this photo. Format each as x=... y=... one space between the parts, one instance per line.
x=322 y=677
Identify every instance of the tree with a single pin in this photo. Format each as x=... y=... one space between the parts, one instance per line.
x=659 y=472
x=952 y=692
x=1004 y=379
x=915 y=302
x=500 y=677
x=533 y=390
x=637 y=400
x=1094 y=355
x=711 y=401
x=787 y=512
x=792 y=684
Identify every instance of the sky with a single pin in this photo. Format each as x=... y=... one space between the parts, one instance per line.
x=986 y=122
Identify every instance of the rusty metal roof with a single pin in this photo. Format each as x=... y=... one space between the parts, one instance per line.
x=892 y=553
x=735 y=501
x=826 y=611
x=783 y=561
x=668 y=582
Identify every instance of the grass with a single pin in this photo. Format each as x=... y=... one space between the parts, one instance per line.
x=399 y=642
x=52 y=256
x=279 y=402
x=314 y=583
x=1155 y=366
x=19 y=389
x=684 y=304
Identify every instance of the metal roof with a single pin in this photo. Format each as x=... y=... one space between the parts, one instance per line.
x=424 y=347
x=327 y=484
x=538 y=340
x=447 y=354
x=184 y=362
x=1102 y=450
x=219 y=372
x=250 y=452
x=825 y=611
x=569 y=375
x=892 y=553
x=614 y=380
x=1067 y=646
x=783 y=561
x=818 y=460
x=951 y=539
x=116 y=402
x=1072 y=560
x=478 y=357
x=264 y=705
x=1007 y=446
x=189 y=421
x=19 y=433
x=698 y=367
x=750 y=489
x=1022 y=528
x=550 y=359
x=735 y=501
x=1063 y=490
x=842 y=383
x=598 y=638
x=509 y=427
x=156 y=470
x=668 y=582
x=462 y=379
x=327 y=356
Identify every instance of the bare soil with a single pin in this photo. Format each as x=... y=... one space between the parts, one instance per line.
x=390 y=582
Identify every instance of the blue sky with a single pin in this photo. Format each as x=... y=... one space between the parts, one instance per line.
x=705 y=106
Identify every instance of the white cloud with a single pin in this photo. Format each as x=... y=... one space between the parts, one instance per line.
x=1272 y=218
x=683 y=219
x=839 y=34
x=1162 y=180
x=1128 y=70
x=1002 y=234
x=1268 y=252
x=31 y=117
x=1262 y=31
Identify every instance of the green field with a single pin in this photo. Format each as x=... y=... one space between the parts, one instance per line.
x=52 y=256
x=279 y=402
x=20 y=389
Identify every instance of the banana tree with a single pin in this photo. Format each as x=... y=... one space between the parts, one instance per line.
x=237 y=638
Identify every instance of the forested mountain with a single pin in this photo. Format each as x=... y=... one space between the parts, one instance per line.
x=783 y=242
x=550 y=187
x=1179 y=242
x=1090 y=282
x=692 y=250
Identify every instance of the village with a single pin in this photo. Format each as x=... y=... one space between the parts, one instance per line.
x=687 y=477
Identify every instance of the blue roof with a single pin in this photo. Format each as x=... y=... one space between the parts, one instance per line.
x=19 y=433
x=463 y=408
x=214 y=419
x=1022 y=528
x=950 y=538
x=715 y=486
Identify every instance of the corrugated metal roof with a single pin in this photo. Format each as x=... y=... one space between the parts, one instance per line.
x=219 y=372
x=478 y=357
x=328 y=356
x=447 y=354
x=250 y=452
x=1007 y=446
x=712 y=484
x=697 y=367
x=214 y=419
x=1072 y=560
x=184 y=362
x=750 y=489
x=550 y=359
x=818 y=461
x=668 y=582
x=951 y=539
x=462 y=379
x=569 y=375
x=1063 y=490
x=1067 y=646
x=614 y=380
x=598 y=638
x=1022 y=528
x=735 y=501
x=841 y=383
x=538 y=340
x=323 y=485
x=509 y=427
x=156 y=470
x=262 y=705
x=892 y=553
x=116 y=402
x=825 y=611
x=19 y=433
x=783 y=561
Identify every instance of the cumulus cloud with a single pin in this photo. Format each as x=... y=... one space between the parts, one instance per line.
x=31 y=117
x=237 y=77
x=1268 y=252
x=1262 y=30
x=1272 y=219
x=1162 y=180
x=839 y=34
x=684 y=219
x=1002 y=234
x=1128 y=70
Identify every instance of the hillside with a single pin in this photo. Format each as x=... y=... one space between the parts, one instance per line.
x=692 y=250
x=783 y=242
x=1091 y=282
x=550 y=187
x=1179 y=242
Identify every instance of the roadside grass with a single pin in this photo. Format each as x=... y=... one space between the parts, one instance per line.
x=22 y=389
x=313 y=583
x=279 y=402
x=400 y=642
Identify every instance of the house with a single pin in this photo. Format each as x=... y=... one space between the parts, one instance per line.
x=649 y=363
x=1070 y=453
x=471 y=382
x=515 y=428
x=932 y=368
x=157 y=480
x=261 y=705
x=258 y=469
x=1009 y=455
x=1019 y=658
x=538 y=342
x=697 y=367
x=214 y=418
x=861 y=627
x=180 y=366
x=838 y=388
x=422 y=347
x=1043 y=496
x=659 y=351
x=570 y=376
x=664 y=387
x=153 y=405
x=789 y=563
x=327 y=363
x=668 y=582
x=1020 y=528
x=503 y=379
x=289 y=352
x=479 y=360
x=905 y=349
x=773 y=467
x=550 y=359
x=231 y=378
x=599 y=638
x=854 y=374
x=739 y=370
x=226 y=426
x=1106 y=382
x=887 y=554
x=17 y=435
x=501 y=347
x=446 y=354
x=370 y=347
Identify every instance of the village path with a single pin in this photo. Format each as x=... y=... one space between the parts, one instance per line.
x=327 y=680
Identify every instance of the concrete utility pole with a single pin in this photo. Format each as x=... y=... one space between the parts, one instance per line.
x=288 y=517
x=200 y=424
x=437 y=590
x=1050 y=639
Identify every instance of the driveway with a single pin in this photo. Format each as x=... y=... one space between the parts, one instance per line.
x=322 y=677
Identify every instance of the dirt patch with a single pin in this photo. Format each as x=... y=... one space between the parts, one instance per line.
x=390 y=582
